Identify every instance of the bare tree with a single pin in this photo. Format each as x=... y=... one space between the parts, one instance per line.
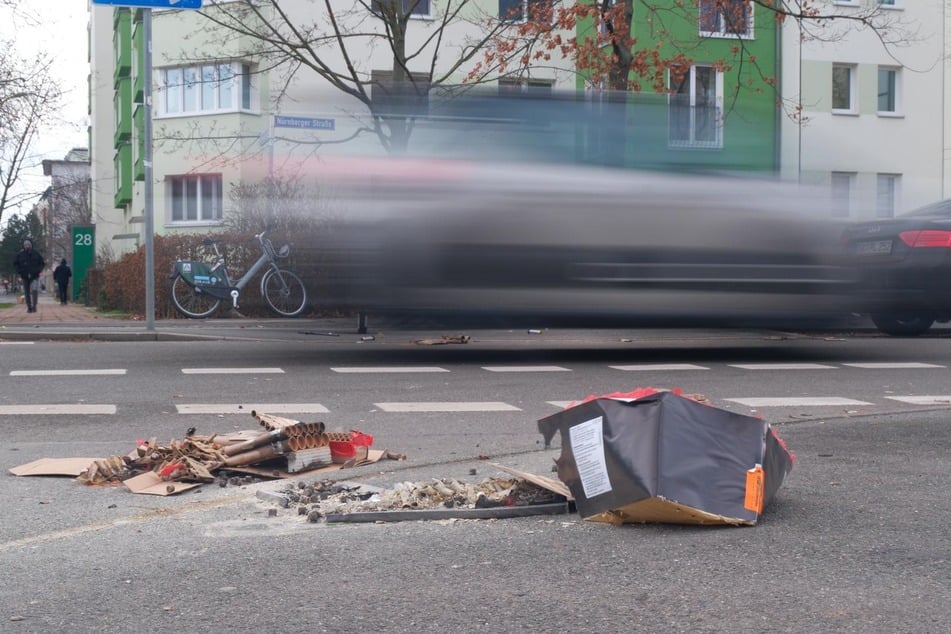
x=332 y=40
x=28 y=97
x=285 y=205
x=68 y=205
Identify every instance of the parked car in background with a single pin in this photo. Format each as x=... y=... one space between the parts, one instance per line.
x=904 y=269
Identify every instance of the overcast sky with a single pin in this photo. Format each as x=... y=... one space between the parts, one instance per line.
x=58 y=28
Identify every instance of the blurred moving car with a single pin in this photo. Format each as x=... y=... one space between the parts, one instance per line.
x=904 y=269
x=549 y=245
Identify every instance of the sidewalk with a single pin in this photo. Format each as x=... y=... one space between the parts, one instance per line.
x=49 y=310
x=53 y=321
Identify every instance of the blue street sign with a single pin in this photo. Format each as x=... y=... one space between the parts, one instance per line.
x=153 y=4
x=303 y=123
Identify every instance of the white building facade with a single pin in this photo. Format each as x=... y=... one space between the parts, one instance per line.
x=872 y=115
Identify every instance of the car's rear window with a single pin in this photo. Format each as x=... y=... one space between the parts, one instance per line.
x=941 y=208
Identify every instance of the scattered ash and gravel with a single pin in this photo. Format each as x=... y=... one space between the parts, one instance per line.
x=321 y=498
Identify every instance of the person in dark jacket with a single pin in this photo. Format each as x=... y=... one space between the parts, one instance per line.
x=61 y=275
x=29 y=264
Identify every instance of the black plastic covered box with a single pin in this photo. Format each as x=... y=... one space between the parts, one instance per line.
x=667 y=458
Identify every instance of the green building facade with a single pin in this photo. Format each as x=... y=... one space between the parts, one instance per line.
x=722 y=112
x=128 y=102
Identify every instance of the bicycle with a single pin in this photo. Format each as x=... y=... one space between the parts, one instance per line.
x=197 y=288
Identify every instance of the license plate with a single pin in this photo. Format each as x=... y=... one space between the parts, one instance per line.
x=874 y=247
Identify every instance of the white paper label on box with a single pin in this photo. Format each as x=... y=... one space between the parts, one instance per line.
x=587 y=445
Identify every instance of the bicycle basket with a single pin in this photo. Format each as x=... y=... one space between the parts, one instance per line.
x=283 y=252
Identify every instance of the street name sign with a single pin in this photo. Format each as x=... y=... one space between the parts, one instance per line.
x=153 y=4
x=303 y=123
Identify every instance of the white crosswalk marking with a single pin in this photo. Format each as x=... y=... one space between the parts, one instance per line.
x=447 y=407
x=115 y=372
x=525 y=368
x=892 y=366
x=68 y=409
x=658 y=367
x=560 y=404
x=781 y=366
x=388 y=369
x=232 y=371
x=16 y=343
x=922 y=400
x=796 y=401
x=241 y=408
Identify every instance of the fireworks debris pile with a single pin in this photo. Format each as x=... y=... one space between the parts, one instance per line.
x=284 y=445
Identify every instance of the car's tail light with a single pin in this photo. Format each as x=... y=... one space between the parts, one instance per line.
x=927 y=238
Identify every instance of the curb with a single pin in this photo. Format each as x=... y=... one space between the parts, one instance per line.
x=86 y=335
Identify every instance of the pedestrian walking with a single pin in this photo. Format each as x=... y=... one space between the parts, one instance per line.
x=61 y=276
x=29 y=263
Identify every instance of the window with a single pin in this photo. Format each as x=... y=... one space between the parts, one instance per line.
x=408 y=7
x=512 y=86
x=409 y=97
x=886 y=195
x=843 y=88
x=887 y=90
x=726 y=18
x=842 y=193
x=517 y=10
x=195 y=198
x=206 y=88
x=888 y=3
x=694 y=108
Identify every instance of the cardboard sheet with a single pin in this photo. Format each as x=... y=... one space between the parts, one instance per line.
x=54 y=467
x=549 y=484
x=150 y=483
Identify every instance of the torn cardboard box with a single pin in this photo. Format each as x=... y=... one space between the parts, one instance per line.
x=662 y=457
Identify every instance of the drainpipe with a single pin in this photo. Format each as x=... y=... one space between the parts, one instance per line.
x=778 y=115
x=799 y=98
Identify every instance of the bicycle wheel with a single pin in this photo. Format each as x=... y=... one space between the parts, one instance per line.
x=284 y=292
x=191 y=302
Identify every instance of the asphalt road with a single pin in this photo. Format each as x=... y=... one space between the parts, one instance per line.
x=856 y=540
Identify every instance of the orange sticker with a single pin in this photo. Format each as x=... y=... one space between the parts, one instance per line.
x=755 y=480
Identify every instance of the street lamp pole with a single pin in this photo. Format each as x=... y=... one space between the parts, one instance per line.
x=147 y=161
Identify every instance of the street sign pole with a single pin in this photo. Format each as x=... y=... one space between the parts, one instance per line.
x=147 y=160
